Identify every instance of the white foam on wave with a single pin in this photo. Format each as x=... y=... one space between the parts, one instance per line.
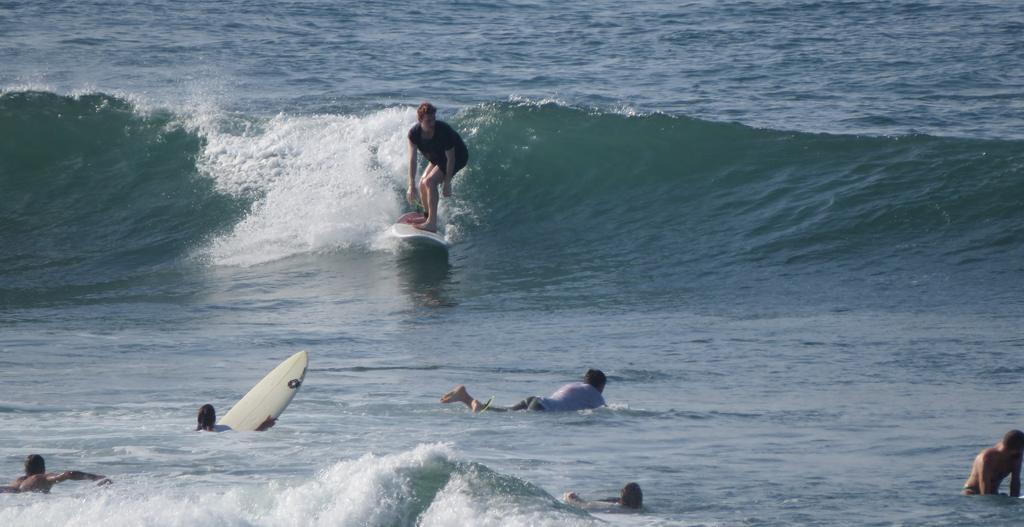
x=26 y=85
x=459 y=504
x=622 y=108
x=320 y=183
x=372 y=490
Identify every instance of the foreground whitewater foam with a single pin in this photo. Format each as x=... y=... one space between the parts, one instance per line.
x=424 y=486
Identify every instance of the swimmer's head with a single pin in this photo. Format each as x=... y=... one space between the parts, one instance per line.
x=1014 y=440
x=207 y=418
x=34 y=464
x=631 y=496
x=595 y=378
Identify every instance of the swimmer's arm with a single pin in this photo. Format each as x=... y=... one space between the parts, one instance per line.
x=983 y=474
x=571 y=497
x=267 y=424
x=75 y=476
x=15 y=486
x=574 y=499
x=1015 y=480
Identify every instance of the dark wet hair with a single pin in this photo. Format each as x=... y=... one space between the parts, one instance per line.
x=1014 y=440
x=425 y=108
x=207 y=418
x=595 y=378
x=631 y=496
x=34 y=464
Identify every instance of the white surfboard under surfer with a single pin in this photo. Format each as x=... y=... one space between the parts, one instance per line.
x=405 y=229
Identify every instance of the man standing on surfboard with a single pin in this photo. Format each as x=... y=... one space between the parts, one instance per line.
x=446 y=153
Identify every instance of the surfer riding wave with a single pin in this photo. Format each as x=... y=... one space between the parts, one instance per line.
x=446 y=153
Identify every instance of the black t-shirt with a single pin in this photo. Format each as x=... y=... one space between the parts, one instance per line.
x=445 y=138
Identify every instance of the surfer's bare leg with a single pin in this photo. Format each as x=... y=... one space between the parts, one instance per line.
x=459 y=394
x=432 y=176
x=422 y=195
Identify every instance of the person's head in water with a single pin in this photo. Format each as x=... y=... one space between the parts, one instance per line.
x=34 y=464
x=595 y=378
x=1014 y=440
x=207 y=418
x=426 y=114
x=631 y=496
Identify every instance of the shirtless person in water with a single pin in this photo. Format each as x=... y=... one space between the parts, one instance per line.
x=993 y=464
x=37 y=479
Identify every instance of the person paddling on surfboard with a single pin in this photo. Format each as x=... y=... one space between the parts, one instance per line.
x=630 y=498
x=993 y=464
x=206 y=421
x=571 y=397
x=37 y=479
x=446 y=154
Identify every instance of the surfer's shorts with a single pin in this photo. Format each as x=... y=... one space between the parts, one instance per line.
x=530 y=403
x=460 y=163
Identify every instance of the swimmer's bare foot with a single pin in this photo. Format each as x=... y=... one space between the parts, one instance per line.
x=458 y=394
x=426 y=226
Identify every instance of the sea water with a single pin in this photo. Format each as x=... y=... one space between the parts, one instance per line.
x=790 y=233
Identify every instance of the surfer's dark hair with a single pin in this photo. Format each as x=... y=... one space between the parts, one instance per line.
x=425 y=108
x=207 y=418
x=595 y=378
x=631 y=496
x=34 y=464
x=1014 y=440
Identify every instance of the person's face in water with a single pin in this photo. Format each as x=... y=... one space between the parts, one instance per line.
x=427 y=123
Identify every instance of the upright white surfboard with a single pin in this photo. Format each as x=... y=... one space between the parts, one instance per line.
x=270 y=396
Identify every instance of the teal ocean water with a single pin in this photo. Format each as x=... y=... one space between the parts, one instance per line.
x=791 y=233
